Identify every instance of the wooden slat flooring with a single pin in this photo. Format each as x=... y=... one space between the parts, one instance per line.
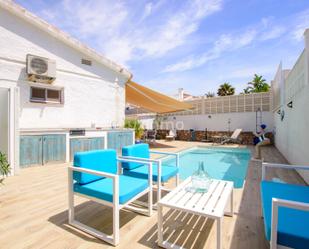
x=33 y=213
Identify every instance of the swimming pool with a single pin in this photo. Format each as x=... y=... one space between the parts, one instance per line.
x=228 y=164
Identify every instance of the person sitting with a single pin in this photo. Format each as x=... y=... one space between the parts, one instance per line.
x=260 y=140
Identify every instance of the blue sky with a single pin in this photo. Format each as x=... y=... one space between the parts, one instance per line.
x=194 y=44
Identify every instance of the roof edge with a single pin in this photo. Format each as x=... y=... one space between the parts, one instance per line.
x=28 y=16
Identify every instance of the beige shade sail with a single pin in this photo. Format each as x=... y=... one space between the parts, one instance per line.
x=151 y=100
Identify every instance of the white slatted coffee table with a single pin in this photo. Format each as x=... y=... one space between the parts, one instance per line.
x=211 y=204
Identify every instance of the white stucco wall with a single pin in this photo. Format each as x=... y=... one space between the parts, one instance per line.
x=292 y=134
x=4 y=120
x=219 y=122
x=92 y=94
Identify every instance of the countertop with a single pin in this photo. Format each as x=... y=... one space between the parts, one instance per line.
x=65 y=130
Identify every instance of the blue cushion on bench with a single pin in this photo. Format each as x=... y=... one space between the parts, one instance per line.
x=136 y=150
x=292 y=224
x=103 y=188
x=142 y=172
x=99 y=160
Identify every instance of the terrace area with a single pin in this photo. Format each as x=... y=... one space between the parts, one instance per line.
x=34 y=212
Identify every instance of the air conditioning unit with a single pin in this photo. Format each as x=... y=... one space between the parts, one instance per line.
x=40 y=69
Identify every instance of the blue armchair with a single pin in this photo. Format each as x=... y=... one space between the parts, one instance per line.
x=161 y=173
x=94 y=175
x=285 y=208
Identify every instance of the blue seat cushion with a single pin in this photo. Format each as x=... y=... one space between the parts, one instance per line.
x=136 y=150
x=142 y=172
x=292 y=224
x=99 y=160
x=103 y=188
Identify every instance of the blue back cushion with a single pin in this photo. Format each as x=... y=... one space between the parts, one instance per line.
x=136 y=150
x=292 y=223
x=100 y=160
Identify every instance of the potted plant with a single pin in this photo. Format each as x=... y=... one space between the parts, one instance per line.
x=4 y=166
x=137 y=126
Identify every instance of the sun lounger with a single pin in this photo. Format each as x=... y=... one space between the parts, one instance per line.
x=171 y=136
x=234 y=138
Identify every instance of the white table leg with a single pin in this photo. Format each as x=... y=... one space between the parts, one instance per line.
x=160 y=224
x=219 y=233
x=230 y=211
x=159 y=181
x=232 y=202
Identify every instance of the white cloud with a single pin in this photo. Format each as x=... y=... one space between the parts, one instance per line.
x=273 y=33
x=247 y=72
x=263 y=31
x=90 y=18
x=112 y=28
x=301 y=24
x=225 y=43
x=178 y=27
x=147 y=10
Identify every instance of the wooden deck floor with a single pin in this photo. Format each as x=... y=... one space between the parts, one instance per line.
x=33 y=213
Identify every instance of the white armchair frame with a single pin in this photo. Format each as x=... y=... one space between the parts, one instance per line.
x=114 y=238
x=276 y=203
x=159 y=163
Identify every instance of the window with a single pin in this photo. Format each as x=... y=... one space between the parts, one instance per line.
x=37 y=94
x=46 y=95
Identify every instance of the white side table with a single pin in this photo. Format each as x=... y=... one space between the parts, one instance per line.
x=211 y=204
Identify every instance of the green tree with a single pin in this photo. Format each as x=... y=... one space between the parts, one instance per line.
x=226 y=89
x=246 y=90
x=210 y=94
x=136 y=125
x=4 y=166
x=257 y=85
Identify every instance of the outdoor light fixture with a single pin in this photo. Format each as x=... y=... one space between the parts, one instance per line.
x=290 y=104
x=279 y=112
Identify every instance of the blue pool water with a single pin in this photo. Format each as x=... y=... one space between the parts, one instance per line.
x=220 y=163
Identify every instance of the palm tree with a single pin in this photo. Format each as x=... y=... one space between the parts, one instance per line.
x=257 y=85
x=226 y=89
x=246 y=90
x=210 y=94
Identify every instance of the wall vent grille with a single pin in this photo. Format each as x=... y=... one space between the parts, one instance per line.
x=86 y=62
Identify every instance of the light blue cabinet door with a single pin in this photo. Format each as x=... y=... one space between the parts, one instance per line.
x=30 y=151
x=128 y=137
x=75 y=146
x=111 y=140
x=118 y=139
x=85 y=144
x=97 y=143
x=54 y=148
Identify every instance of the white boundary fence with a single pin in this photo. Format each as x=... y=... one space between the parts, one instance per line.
x=228 y=104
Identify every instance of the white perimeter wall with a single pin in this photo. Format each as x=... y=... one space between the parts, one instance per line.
x=91 y=93
x=218 y=122
x=147 y=122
